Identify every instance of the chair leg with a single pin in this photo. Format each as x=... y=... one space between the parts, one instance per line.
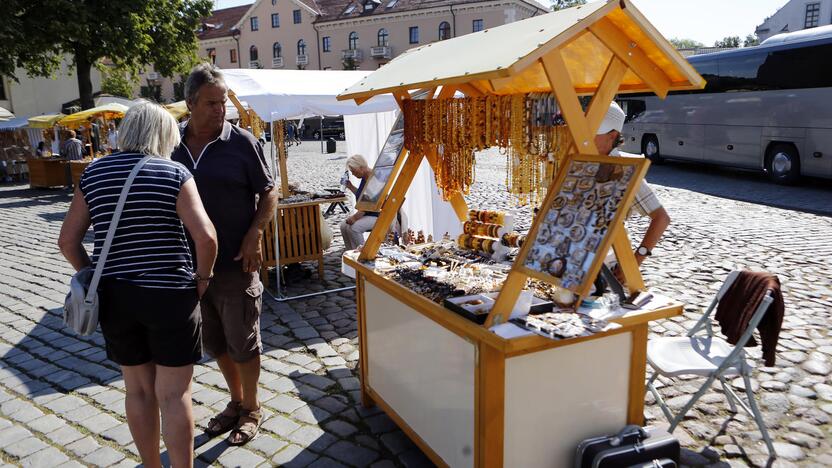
x=729 y=394
x=752 y=402
x=659 y=399
x=681 y=414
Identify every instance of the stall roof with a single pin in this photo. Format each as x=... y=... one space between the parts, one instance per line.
x=45 y=121
x=506 y=59
x=284 y=94
x=112 y=109
x=13 y=124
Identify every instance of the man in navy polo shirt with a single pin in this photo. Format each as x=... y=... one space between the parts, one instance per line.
x=238 y=192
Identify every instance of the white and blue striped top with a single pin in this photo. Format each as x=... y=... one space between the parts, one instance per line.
x=149 y=247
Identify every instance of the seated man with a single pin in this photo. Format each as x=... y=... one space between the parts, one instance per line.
x=354 y=227
x=646 y=203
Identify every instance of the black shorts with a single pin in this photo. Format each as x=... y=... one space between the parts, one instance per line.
x=142 y=325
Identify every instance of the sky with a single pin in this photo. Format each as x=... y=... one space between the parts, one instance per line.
x=705 y=21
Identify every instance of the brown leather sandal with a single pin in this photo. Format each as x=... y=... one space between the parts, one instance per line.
x=247 y=427
x=225 y=421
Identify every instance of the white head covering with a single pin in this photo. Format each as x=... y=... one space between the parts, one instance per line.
x=614 y=120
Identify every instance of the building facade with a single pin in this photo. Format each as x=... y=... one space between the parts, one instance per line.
x=795 y=16
x=29 y=96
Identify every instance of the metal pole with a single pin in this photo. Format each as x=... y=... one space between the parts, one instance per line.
x=276 y=241
x=321 y=133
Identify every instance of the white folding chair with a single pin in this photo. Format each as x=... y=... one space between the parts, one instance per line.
x=711 y=357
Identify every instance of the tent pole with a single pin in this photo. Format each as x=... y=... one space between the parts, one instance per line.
x=321 y=133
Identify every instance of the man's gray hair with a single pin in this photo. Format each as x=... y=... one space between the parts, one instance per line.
x=201 y=75
x=149 y=129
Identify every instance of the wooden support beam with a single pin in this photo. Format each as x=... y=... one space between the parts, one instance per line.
x=638 y=369
x=515 y=282
x=607 y=90
x=627 y=259
x=447 y=92
x=391 y=206
x=469 y=90
x=634 y=57
x=490 y=412
x=561 y=83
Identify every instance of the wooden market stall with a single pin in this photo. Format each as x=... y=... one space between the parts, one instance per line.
x=467 y=395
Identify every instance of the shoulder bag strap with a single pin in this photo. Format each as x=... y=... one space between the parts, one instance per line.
x=111 y=231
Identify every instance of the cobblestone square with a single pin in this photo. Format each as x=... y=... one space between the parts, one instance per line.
x=62 y=401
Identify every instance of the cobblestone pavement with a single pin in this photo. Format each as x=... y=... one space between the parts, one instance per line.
x=62 y=402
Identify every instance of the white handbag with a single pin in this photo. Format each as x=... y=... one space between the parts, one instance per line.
x=81 y=304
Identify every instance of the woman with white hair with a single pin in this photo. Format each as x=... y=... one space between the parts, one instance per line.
x=149 y=291
x=354 y=227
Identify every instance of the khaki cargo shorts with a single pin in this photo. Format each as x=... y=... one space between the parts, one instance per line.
x=231 y=316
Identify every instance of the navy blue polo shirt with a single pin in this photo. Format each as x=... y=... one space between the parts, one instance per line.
x=229 y=174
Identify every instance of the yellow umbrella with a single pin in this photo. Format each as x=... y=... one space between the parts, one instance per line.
x=45 y=121
x=111 y=110
x=177 y=109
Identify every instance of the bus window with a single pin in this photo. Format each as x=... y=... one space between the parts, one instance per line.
x=709 y=69
x=739 y=72
x=796 y=68
x=633 y=108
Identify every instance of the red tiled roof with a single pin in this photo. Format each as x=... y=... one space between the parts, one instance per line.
x=220 y=22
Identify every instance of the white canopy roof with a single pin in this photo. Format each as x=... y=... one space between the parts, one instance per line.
x=13 y=124
x=5 y=114
x=285 y=94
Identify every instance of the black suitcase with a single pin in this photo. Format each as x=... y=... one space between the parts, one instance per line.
x=632 y=446
x=663 y=463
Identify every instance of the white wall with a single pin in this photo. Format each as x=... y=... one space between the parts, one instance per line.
x=793 y=16
x=36 y=96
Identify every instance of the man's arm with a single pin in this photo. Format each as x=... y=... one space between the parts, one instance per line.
x=659 y=221
x=355 y=217
x=251 y=252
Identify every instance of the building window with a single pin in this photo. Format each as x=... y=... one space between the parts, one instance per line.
x=414 y=34
x=275 y=20
x=212 y=55
x=277 y=51
x=383 y=38
x=301 y=47
x=2 y=89
x=326 y=43
x=477 y=25
x=274 y=2
x=296 y=16
x=252 y=53
x=812 y=15
x=255 y=24
x=233 y=56
x=352 y=41
x=444 y=31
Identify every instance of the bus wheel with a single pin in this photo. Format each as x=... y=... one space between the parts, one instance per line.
x=650 y=149
x=783 y=164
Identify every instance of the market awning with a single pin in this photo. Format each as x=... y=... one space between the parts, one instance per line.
x=284 y=94
x=507 y=59
x=5 y=114
x=45 y=121
x=109 y=111
x=13 y=124
x=177 y=109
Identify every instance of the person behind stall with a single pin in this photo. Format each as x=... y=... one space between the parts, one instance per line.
x=40 y=152
x=73 y=149
x=149 y=291
x=354 y=227
x=238 y=191
x=645 y=203
x=112 y=137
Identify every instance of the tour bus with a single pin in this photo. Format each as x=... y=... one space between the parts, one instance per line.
x=767 y=108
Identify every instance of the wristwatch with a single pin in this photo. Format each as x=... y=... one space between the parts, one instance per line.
x=643 y=251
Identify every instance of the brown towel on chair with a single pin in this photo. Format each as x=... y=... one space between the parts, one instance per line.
x=741 y=301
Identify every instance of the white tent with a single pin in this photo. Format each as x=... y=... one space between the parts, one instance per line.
x=5 y=114
x=295 y=94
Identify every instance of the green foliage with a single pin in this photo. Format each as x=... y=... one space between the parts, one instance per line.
x=37 y=35
x=751 y=40
x=562 y=4
x=686 y=43
x=350 y=64
x=730 y=41
x=115 y=82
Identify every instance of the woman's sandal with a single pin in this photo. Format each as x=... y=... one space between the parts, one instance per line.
x=247 y=427
x=225 y=421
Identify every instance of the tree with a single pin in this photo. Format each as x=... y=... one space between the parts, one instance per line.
x=730 y=41
x=115 y=82
x=562 y=4
x=132 y=34
x=751 y=40
x=686 y=43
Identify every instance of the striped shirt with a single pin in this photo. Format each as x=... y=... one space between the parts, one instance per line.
x=149 y=248
x=73 y=149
